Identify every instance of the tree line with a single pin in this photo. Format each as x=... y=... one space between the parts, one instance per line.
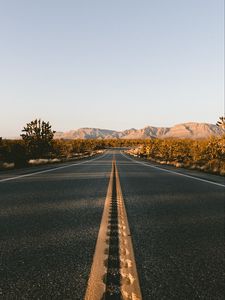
x=207 y=154
x=20 y=152
x=37 y=141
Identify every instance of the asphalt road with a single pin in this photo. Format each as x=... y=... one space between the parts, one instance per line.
x=48 y=227
x=177 y=225
x=49 y=223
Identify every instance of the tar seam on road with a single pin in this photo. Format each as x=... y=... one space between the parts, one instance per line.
x=173 y=172
x=50 y=170
x=113 y=273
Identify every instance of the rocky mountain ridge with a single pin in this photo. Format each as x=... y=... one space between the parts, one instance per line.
x=192 y=130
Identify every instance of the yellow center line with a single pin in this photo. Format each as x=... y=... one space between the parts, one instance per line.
x=113 y=271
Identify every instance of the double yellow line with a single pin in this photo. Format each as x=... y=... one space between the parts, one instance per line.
x=99 y=287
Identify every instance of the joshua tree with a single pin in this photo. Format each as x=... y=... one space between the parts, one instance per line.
x=221 y=123
x=38 y=137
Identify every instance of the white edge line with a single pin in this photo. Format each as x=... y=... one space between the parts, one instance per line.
x=174 y=172
x=50 y=170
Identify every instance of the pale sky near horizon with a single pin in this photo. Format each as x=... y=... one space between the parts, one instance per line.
x=110 y=64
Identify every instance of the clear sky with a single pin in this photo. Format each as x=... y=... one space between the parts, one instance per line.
x=112 y=64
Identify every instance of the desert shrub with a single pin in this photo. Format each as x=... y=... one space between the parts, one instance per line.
x=18 y=154
x=207 y=154
x=38 y=136
x=13 y=152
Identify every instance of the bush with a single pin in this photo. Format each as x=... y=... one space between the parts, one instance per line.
x=207 y=155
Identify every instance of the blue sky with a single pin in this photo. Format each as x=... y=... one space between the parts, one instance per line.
x=110 y=64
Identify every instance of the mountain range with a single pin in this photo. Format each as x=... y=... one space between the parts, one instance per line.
x=190 y=130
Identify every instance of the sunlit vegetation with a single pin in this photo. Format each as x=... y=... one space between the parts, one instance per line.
x=38 y=146
x=221 y=123
x=206 y=155
x=21 y=152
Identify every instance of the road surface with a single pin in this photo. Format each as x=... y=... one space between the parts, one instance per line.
x=49 y=223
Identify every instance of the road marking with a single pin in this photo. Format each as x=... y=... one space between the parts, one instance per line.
x=113 y=273
x=50 y=170
x=173 y=172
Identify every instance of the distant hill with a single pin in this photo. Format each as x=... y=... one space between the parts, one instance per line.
x=191 y=130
